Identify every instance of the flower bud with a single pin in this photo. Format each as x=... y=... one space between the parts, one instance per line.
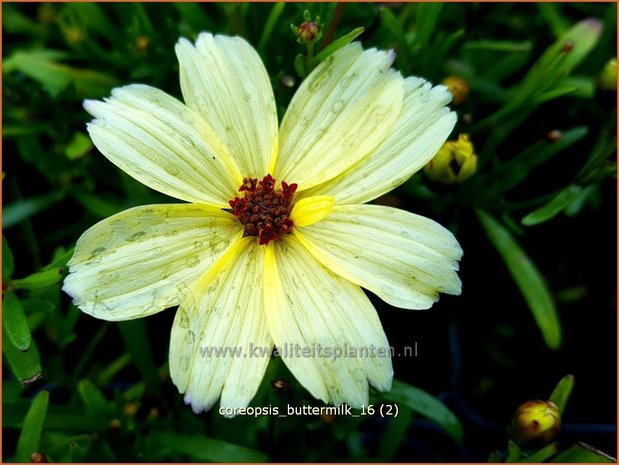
x=454 y=162
x=608 y=78
x=535 y=424
x=309 y=31
x=458 y=88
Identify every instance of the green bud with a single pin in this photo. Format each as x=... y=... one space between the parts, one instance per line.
x=454 y=162
x=535 y=424
x=608 y=78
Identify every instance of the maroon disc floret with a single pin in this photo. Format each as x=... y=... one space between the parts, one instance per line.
x=264 y=211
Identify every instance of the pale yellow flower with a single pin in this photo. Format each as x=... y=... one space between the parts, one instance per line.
x=354 y=130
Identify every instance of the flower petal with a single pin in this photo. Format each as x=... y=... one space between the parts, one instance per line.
x=311 y=209
x=403 y=258
x=141 y=261
x=423 y=125
x=309 y=309
x=224 y=80
x=220 y=344
x=163 y=144
x=341 y=112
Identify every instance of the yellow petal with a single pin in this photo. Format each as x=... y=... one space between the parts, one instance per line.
x=163 y=144
x=310 y=210
x=220 y=344
x=423 y=125
x=403 y=258
x=224 y=80
x=143 y=260
x=309 y=309
x=341 y=112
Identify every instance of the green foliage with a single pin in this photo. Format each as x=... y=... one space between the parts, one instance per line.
x=542 y=117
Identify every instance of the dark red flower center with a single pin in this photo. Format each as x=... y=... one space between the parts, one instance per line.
x=264 y=210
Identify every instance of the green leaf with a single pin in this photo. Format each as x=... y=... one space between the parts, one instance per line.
x=207 y=449
x=40 y=280
x=267 y=30
x=79 y=145
x=517 y=169
x=425 y=23
x=337 y=44
x=394 y=434
x=61 y=261
x=554 y=66
x=56 y=77
x=429 y=406
x=527 y=277
x=513 y=452
x=15 y=323
x=136 y=341
x=498 y=45
x=21 y=210
x=26 y=365
x=98 y=206
x=583 y=453
x=554 y=207
x=37 y=305
x=8 y=264
x=30 y=437
x=561 y=393
x=93 y=399
x=541 y=455
x=299 y=65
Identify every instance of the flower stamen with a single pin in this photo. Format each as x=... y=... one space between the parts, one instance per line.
x=264 y=211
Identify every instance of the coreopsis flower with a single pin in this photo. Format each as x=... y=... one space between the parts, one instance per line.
x=274 y=241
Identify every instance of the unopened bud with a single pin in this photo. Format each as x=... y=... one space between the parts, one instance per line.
x=608 y=78
x=38 y=457
x=535 y=424
x=454 y=162
x=458 y=88
x=309 y=31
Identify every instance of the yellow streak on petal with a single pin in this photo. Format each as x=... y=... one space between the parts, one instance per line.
x=311 y=210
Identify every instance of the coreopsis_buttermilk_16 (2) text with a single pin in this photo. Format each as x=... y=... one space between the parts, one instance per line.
x=275 y=239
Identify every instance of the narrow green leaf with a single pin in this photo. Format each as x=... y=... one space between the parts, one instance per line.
x=527 y=277
x=550 y=12
x=35 y=305
x=394 y=434
x=26 y=365
x=60 y=261
x=267 y=30
x=554 y=207
x=98 y=206
x=20 y=210
x=425 y=404
x=30 y=437
x=202 y=448
x=93 y=399
x=561 y=393
x=337 y=44
x=15 y=323
x=583 y=453
x=8 y=264
x=517 y=169
x=136 y=341
x=40 y=280
x=498 y=45
x=425 y=23
x=513 y=452
x=391 y=23
x=541 y=455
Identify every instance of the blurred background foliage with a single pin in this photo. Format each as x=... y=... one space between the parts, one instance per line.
x=535 y=89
